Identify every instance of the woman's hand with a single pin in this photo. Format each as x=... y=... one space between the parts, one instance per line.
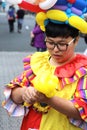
x=31 y=95
x=40 y=97
x=28 y=95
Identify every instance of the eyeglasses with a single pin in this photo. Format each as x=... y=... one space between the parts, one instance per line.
x=61 y=47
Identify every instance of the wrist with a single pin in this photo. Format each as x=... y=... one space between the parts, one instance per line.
x=16 y=95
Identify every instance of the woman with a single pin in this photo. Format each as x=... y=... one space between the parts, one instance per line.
x=51 y=92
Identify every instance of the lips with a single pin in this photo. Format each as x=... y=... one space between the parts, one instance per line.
x=57 y=56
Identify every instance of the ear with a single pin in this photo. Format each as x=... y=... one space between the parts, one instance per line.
x=77 y=40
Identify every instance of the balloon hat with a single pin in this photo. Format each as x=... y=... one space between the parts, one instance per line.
x=59 y=11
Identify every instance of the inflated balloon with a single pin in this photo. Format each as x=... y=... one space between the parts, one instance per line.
x=74 y=20
x=33 y=8
x=46 y=84
x=62 y=12
x=47 y=4
x=71 y=1
x=40 y=18
x=34 y=5
x=50 y=15
x=66 y=9
x=26 y=5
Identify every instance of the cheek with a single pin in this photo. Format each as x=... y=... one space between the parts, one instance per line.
x=68 y=54
x=65 y=56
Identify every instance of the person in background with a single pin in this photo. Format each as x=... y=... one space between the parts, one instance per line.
x=11 y=18
x=0 y=5
x=51 y=92
x=38 y=37
x=20 y=17
x=3 y=5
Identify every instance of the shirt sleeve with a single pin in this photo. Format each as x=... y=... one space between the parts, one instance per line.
x=21 y=81
x=12 y=108
x=80 y=102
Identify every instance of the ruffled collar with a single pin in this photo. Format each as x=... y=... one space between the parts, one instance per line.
x=40 y=61
x=68 y=73
x=78 y=63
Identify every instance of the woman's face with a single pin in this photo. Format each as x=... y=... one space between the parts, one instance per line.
x=61 y=49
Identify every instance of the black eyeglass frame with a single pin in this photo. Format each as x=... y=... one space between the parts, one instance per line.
x=59 y=44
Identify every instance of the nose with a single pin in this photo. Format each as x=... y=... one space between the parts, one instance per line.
x=56 y=49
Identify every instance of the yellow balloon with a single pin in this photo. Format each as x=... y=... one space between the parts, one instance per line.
x=78 y=23
x=46 y=84
x=57 y=15
x=40 y=18
x=50 y=14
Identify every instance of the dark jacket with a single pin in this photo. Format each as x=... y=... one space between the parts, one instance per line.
x=20 y=14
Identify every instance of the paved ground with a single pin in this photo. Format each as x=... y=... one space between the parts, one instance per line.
x=10 y=66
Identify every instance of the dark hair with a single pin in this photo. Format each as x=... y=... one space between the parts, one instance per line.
x=60 y=30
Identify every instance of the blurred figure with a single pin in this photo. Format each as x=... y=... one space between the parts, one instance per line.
x=20 y=17
x=11 y=18
x=3 y=5
x=0 y=4
x=38 y=38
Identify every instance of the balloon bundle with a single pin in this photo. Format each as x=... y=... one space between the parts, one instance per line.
x=65 y=11
x=61 y=11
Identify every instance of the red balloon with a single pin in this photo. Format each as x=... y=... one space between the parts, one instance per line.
x=30 y=7
x=71 y=1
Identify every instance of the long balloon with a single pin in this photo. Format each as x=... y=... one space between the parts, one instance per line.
x=30 y=7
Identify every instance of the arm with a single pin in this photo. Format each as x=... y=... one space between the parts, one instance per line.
x=20 y=95
x=64 y=106
x=76 y=108
x=13 y=91
x=16 y=94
